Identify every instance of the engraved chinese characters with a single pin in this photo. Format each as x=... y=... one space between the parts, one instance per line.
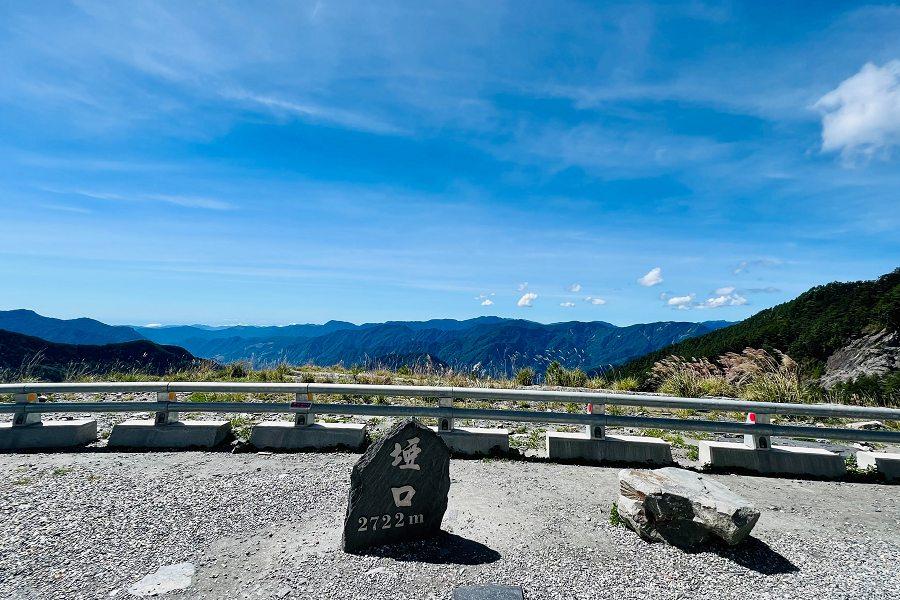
x=398 y=489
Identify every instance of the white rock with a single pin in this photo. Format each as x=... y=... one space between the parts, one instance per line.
x=164 y=580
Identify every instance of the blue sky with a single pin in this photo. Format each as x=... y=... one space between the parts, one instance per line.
x=226 y=163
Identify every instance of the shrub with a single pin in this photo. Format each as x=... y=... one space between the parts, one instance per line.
x=560 y=376
x=626 y=384
x=525 y=376
x=556 y=374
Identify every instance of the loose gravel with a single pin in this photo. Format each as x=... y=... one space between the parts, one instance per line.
x=90 y=524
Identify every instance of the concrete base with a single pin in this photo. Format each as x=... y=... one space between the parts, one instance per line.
x=885 y=463
x=48 y=434
x=787 y=460
x=318 y=436
x=475 y=441
x=181 y=434
x=613 y=448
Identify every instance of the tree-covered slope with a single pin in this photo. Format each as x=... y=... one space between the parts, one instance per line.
x=809 y=328
x=26 y=356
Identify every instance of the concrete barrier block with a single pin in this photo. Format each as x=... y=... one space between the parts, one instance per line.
x=180 y=434
x=787 y=460
x=612 y=448
x=886 y=463
x=48 y=434
x=283 y=435
x=475 y=441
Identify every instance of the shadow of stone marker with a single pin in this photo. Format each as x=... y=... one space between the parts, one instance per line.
x=398 y=489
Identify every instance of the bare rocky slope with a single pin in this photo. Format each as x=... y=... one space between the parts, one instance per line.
x=873 y=355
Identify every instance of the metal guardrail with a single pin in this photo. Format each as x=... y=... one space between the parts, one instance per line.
x=308 y=390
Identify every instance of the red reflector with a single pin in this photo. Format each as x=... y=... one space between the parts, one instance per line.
x=751 y=417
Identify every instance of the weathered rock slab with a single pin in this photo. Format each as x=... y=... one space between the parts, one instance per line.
x=398 y=488
x=682 y=508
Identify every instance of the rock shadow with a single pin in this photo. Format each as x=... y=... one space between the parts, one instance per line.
x=444 y=548
x=756 y=555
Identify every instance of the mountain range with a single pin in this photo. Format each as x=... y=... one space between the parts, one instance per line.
x=493 y=345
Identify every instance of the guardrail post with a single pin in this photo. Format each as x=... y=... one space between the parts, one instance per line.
x=752 y=440
x=303 y=417
x=165 y=417
x=596 y=432
x=446 y=423
x=23 y=418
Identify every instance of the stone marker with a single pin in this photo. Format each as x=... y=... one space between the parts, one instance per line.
x=682 y=508
x=488 y=592
x=398 y=488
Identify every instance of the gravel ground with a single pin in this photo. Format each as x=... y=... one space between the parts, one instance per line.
x=90 y=524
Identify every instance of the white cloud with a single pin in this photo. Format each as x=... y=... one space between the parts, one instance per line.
x=523 y=286
x=595 y=300
x=527 y=299
x=680 y=302
x=729 y=299
x=153 y=325
x=487 y=302
x=862 y=115
x=653 y=277
x=567 y=304
x=575 y=288
x=724 y=291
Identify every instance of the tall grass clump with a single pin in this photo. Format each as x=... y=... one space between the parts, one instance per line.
x=753 y=374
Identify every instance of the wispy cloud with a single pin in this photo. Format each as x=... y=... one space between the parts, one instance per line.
x=487 y=302
x=173 y=199
x=320 y=113
x=65 y=208
x=567 y=304
x=575 y=288
x=594 y=300
x=653 y=277
x=747 y=265
x=523 y=286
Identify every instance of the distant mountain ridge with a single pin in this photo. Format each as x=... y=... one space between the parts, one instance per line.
x=493 y=345
x=66 y=331
x=23 y=356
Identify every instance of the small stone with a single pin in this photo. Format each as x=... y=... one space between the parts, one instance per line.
x=164 y=580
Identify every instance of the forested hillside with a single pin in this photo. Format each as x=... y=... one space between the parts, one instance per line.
x=809 y=328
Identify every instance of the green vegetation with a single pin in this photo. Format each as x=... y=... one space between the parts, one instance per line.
x=560 y=376
x=525 y=377
x=693 y=453
x=809 y=328
x=614 y=519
